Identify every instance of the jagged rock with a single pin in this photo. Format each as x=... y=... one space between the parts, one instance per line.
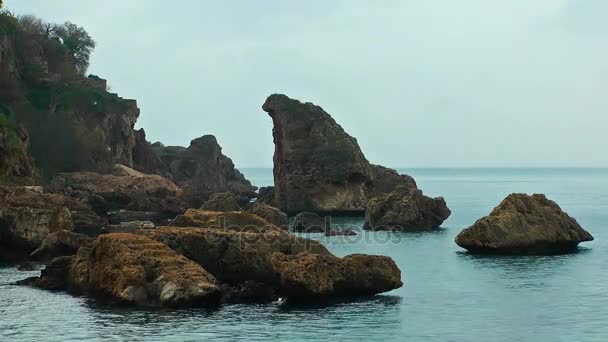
x=311 y=223
x=200 y=170
x=239 y=221
x=27 y=217
x=318 y=167
x=524 y=224
x=405 y=209
x=60 y=243
x=222 y=201
x=127 y=227
x=233 y=256
x=306 y=275
x=126 y=189
x=271 y=214
x=135 y=270
x=266 y=195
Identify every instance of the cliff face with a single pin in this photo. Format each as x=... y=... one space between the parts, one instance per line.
x=318 y=166
x=73 y=122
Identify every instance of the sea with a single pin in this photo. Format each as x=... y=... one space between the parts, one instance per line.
x=448 y=294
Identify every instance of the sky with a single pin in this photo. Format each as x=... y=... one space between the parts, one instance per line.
x=419 y=83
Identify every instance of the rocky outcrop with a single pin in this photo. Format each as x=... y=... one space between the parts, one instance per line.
x=27 y=216
x=125 y=189
x=239 y=221
x=201 y=169
x=306 y=276
x=60 y=243
x=132 y=269
x=15 y=161
x=318 y=167
x=311 y=223
x=524 y=224
x=271 y=214
x=222 y=201
x=405 y=209
x=127 y=227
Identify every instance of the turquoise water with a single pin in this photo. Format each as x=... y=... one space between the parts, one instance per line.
x=448 y=294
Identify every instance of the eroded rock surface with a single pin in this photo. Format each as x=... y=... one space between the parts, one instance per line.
x=524 y=224
x=318 y=167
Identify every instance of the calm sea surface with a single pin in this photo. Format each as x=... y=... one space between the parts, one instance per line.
x=448 y=294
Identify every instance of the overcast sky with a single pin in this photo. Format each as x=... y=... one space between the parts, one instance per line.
x=418 y=82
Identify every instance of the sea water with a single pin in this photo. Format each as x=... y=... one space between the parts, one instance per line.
x=448 y=294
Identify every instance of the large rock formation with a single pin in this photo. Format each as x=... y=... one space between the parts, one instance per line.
x=405 y=209
x=523 y=224
x=251 y=266
x=201 y=169
x=319 y=167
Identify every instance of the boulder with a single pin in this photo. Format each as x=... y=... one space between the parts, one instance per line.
x=305 y=276
x=311 y=223
x=318 y=167
x=132 y=269
x=27 y=217
x=405 y=209
x=125 y=189
x=60 y=243
x=222 y=201
x=240 y=221
x=271 y=214
x=524 y=224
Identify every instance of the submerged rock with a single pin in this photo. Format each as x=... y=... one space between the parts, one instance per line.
x=222 y=201
x=271 y=214
x=405 y=209
x=524 y=224
x=318 y=167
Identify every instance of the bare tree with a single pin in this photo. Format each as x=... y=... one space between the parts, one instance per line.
x=33 y=24
x=78 y=41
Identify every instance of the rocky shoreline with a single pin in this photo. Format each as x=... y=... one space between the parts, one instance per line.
x=118 y=217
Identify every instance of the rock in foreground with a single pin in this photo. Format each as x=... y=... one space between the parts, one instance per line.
x=524 y=224
x=405 y=209
x=271 y=214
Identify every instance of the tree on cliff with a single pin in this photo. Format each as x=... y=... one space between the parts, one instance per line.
x=32 y=24
x=78 y=41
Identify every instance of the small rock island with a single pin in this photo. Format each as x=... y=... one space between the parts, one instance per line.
x=522 y=224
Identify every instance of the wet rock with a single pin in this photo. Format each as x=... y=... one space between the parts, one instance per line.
x=223 y=201
x=405 y=209
x=271 y=214
x=524 y=224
